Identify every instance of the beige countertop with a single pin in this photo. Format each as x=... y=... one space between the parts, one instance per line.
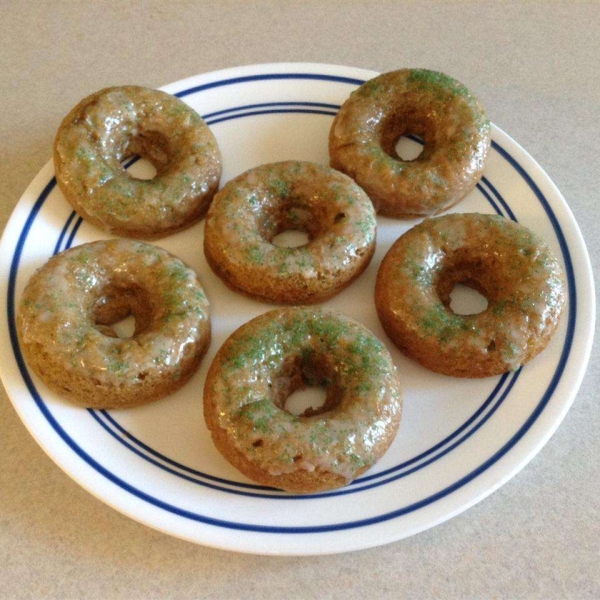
x=534 y=66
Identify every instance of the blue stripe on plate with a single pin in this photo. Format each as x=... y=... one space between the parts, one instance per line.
x=267 y=77
x=245 y=107
x=271 y=112
x=340 y=492
x=63 y=232
x=114 y=428
x=494 y=191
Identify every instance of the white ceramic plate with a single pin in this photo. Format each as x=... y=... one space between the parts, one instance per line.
x=459 y=439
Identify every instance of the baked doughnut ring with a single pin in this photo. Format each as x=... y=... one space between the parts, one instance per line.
x=269 y=358
x=68 y=306
x=511 y=266
x=429 y=104
x=114 y=123
x=254 y=207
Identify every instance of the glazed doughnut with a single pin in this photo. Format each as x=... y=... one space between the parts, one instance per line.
x=265 y=361
x=253 y=208
x=69 y=304
x=117 y=122
x=440 y=110
x=508 y=264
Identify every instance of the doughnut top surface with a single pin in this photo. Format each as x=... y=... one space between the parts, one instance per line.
x=257 y=205
x=115 y=123
x=68 y=306
x=441 y=111
x=510 y=265
x=264 y=361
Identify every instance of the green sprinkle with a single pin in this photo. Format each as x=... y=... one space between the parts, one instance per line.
x=370 y=88
x=280 y=187
x=437 y=82
x=256 y=254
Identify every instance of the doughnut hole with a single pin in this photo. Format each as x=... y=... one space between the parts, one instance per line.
x=306 y=398
x=305 y=387
x=396 y=133
x=290 y=238
x=465 y=300
x=152 y=146
x=140 y=169
x=125 y=328
x=291 y=223
x=470 y=274
x=466 y=287
x=408 y=148
x=123 y=310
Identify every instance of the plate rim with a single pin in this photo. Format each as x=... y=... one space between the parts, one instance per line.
x=339 y=69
